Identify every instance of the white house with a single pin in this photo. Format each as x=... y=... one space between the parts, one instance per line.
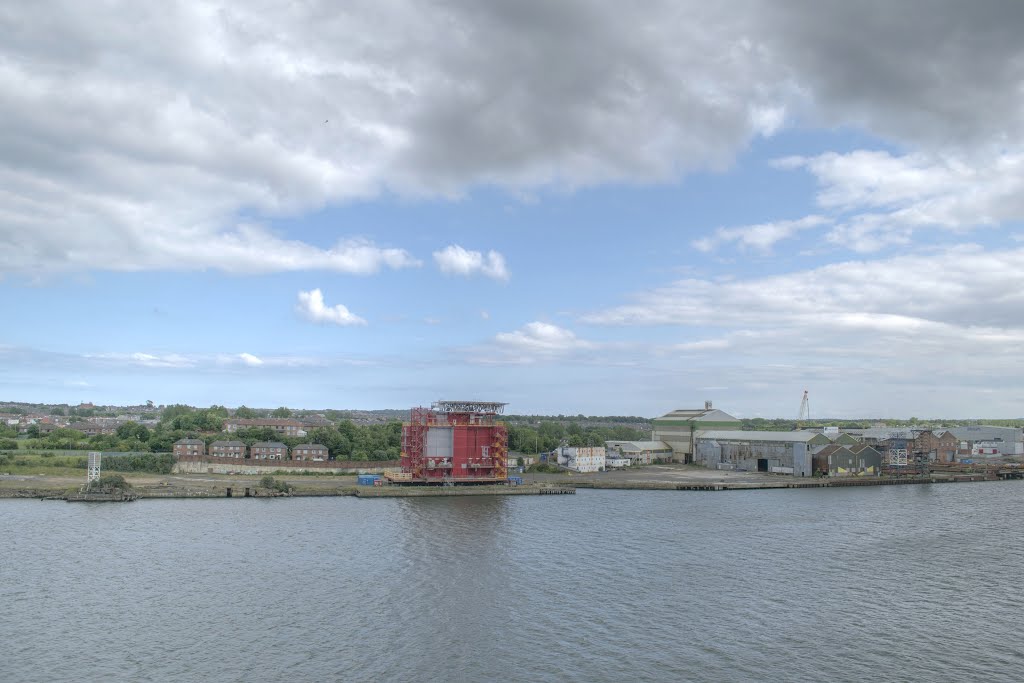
x=584 y=458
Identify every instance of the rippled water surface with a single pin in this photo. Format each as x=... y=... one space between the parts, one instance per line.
x=914 y=583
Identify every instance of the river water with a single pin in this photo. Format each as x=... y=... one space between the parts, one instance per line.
x=907 y=583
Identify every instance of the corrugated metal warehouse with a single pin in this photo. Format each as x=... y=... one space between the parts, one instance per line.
x=779 y=452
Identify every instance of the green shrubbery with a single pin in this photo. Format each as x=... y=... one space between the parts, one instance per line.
x=109 y=482
x=268 y=482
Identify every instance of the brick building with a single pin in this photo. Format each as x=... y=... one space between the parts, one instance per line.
x=227 y=449
x=310 y=451
x=189 y=447
x=268 y=450
x=281 y=425
x=939 y=446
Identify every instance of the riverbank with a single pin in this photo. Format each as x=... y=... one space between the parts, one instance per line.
x=658 y=478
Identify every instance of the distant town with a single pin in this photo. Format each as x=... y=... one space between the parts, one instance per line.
x=247 y=439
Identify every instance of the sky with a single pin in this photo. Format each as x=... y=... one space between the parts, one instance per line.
x=576 y=208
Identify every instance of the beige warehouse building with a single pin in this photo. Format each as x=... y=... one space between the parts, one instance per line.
x=680 y=428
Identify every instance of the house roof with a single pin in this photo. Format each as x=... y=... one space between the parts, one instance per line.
x=268 y=444
x=190 y=442
x=310 y=445
x=226 y=443
x=698 y=415
x=881 y=433
x=639 y=446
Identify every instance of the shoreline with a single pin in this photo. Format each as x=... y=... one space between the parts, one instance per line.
x=182 y=487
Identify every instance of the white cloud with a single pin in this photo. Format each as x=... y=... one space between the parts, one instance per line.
x=955 y=316
x=877 y=199
x=149 y=360
x=543 y=338
x=455 y=260
x=312 y=307
x=250 y=360
x=703 y=345
x=943 y=286
x=762 y=236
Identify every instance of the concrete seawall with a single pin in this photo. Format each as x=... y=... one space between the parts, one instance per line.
x=284 y=468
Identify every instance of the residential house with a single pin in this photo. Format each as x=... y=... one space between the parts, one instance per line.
x=281 y=425
x=189 y=448
x=268 y=450
x=310 y=451
x=227 y=449
x=91 y=428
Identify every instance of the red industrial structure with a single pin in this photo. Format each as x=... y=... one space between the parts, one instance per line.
x=454 y=442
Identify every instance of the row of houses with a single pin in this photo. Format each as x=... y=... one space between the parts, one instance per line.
x=261 y=450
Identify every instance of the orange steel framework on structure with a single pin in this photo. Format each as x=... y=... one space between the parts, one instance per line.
x=455 y=442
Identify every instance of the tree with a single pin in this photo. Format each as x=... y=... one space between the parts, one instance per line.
x=281 y=412
x=177 y=410
x=133 y=430
x=243 y=413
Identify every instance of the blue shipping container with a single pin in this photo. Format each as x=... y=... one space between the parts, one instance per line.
x=366 y=479
x=515 y=481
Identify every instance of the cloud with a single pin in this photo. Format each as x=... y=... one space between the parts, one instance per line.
x=455 y=260
x=913 y=71
x=762 y=236
x=877 y=199
x=148 y=360
x=541 y=338
x=954 y=316
x=942 y=286
x=110 y=163
x=932 y=327
x=311 y=306
x=250 y=360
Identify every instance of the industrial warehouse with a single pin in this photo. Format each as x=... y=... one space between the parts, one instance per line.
x=710 y=437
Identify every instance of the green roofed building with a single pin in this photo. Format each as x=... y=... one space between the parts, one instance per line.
x=680 y=428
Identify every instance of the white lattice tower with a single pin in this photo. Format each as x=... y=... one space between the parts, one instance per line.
x=93 y=473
